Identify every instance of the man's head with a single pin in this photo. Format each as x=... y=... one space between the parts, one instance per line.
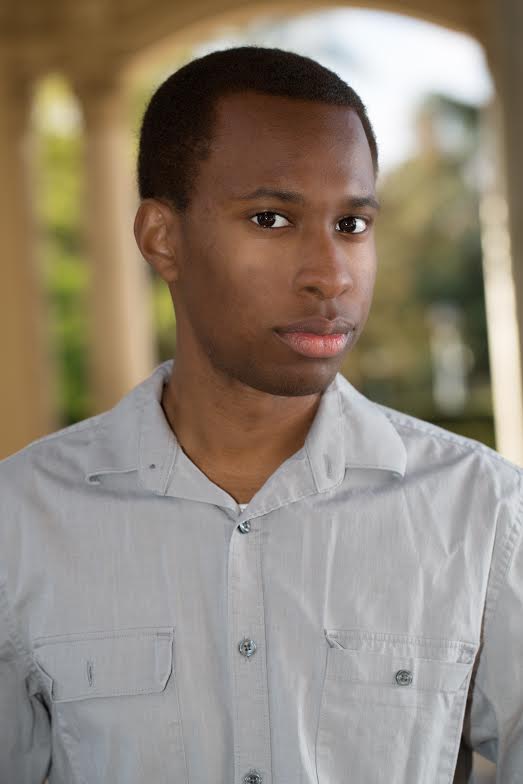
x=241 y=266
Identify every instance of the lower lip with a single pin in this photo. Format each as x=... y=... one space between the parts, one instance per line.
x=310 y=345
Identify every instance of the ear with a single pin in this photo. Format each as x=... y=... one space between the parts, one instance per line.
x=153 y=230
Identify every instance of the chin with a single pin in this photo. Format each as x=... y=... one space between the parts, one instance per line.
x=300 y=382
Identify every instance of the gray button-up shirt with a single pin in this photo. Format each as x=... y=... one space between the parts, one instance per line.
x=361 y=619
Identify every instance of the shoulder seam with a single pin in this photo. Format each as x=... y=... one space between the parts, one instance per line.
x=467 y=444
x=19 y=648
x=508 y=546
x=77 y=427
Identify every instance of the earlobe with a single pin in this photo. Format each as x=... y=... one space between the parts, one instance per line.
x=153 y=235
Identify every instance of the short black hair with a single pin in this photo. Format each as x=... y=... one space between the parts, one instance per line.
x=176 y=129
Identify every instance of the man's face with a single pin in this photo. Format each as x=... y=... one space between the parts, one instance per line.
x=244 y=274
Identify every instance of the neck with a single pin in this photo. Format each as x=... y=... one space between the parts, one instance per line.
x=227 y=424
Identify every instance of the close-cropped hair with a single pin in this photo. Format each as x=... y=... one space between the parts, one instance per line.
x=177 y=125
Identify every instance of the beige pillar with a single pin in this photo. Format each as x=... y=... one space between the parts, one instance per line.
x=26 y=388
x=121 y=337
x=501 y=297
x=501 y=211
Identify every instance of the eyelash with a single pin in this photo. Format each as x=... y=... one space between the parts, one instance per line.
x=367 y=222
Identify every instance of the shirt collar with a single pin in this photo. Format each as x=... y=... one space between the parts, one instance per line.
x=348 y=431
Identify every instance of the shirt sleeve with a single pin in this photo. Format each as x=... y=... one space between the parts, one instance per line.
x=494 y=724
x=25 y=729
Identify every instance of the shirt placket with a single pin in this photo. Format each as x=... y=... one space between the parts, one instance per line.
x=250 y=708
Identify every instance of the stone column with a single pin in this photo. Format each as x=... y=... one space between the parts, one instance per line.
x=26 y=384
x=121 y=336
x=501 y=296
x=501 y=211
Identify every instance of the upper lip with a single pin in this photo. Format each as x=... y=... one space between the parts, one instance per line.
x=319 y=326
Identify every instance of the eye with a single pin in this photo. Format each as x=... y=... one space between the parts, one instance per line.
x=353 y=225
x=268 y=220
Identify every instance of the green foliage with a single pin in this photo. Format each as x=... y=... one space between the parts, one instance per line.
x=59 y=204
x=429 y=252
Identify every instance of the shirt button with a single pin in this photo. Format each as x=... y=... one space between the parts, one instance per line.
x=252 y=777
x=247 y=647
x=245 y=527
x=404 y=677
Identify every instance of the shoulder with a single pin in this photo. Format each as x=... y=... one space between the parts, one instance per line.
x=430 y=446
x=61 y=451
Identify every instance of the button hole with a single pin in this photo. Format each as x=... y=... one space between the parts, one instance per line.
x=90 y=678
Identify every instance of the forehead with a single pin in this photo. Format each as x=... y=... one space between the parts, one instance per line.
x=275 y=139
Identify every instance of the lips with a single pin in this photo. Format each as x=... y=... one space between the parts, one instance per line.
x=318 y=337
x=318 y=326
x=315 y=346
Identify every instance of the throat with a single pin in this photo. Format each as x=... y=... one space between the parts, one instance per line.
x=242 y=492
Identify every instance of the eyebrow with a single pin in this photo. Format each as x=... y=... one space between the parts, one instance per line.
x=352 y=202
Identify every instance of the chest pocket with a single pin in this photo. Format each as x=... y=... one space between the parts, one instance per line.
x=392 y=707
x=83 y=666
x=110 y=692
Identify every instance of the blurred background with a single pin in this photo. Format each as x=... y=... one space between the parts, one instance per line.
x=82 y=317
x=425 y=349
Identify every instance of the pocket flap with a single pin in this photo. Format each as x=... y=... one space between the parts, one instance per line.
x=104 y=664
x=382 y=669
x=406 y=663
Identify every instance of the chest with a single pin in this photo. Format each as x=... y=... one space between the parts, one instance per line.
x=362 y=622
x=239 y=483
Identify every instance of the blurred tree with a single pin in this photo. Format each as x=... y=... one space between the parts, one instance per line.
x=429 y=252
x=59 y=200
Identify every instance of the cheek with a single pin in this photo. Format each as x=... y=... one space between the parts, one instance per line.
x=368 y=268
x=224 y=283
x=207 y=262
x=369 y=280
x=246 y=272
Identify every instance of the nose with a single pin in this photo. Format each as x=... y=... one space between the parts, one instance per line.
x=326 y=264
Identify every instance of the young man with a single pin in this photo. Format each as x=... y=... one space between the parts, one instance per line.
x=246 y=572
